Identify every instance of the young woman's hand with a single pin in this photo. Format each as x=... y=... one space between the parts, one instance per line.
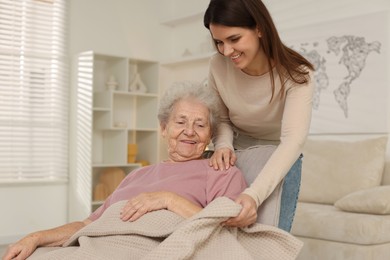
x=248 y=214
x=222 y=159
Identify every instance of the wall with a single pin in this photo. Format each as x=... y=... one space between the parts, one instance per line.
x=183 y=23
x=31 y=206
x=118 y=27
x=289 y=14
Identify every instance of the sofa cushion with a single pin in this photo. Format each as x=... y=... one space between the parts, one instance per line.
x=326 y=222
x=372 y=201
x=332 y=169
x=386 y=172
x=318 y=249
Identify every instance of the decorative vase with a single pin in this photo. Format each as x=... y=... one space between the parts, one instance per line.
x=111 y=84
x=132 y=150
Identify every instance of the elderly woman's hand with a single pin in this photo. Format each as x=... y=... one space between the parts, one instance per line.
x=248 y=214
x=222 y=159
x=22 y=249
x=144 y=203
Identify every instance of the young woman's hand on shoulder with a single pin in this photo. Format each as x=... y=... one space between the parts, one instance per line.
x=222 y=159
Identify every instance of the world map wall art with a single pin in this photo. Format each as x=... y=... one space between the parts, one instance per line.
x=351 y=77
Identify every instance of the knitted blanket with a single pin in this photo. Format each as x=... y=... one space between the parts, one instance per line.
x=164 y=235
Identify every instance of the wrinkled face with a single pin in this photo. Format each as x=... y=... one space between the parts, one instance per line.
x=240 y=44
x=188 y=130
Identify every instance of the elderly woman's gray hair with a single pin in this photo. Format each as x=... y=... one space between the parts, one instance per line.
x=195 y=90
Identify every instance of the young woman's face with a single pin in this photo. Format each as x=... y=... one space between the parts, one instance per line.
x=240 y=44
x=188 y=130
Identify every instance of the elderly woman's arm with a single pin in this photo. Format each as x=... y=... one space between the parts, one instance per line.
x=51 y=237
x=151 y=201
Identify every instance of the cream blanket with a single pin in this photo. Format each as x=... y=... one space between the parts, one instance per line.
x=164 y=235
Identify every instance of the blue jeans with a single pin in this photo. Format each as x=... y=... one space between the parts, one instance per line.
x=289 y=199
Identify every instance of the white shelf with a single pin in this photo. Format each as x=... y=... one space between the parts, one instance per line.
x=188 y=59
x=101 y=109
x=100 y=165
x=107 y=121
x=139 y=129
x=97 y=202
x=183 y=19
x=138 y=94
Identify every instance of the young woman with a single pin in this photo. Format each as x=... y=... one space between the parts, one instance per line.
x=266 y=92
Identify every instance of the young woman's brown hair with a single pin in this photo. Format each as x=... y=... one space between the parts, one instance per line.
x=251 y=14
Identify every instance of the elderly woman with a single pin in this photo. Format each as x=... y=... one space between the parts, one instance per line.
x=184 y=183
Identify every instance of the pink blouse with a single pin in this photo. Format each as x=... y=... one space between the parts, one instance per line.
x=194 y=180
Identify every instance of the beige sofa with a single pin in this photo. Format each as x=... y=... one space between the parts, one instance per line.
x=344 y=203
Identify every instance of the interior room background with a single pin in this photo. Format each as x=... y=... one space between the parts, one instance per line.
x=167 y=31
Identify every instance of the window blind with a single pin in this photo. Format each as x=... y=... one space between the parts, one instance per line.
x=33 y=90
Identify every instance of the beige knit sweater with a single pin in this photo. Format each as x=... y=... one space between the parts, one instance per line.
x=247 y=109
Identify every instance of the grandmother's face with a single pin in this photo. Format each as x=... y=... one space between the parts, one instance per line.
x=188 y=131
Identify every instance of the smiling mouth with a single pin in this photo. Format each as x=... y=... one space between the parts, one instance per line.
x=188 y=141
x=234 y=57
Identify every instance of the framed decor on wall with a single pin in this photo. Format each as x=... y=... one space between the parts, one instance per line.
x=351 y=77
